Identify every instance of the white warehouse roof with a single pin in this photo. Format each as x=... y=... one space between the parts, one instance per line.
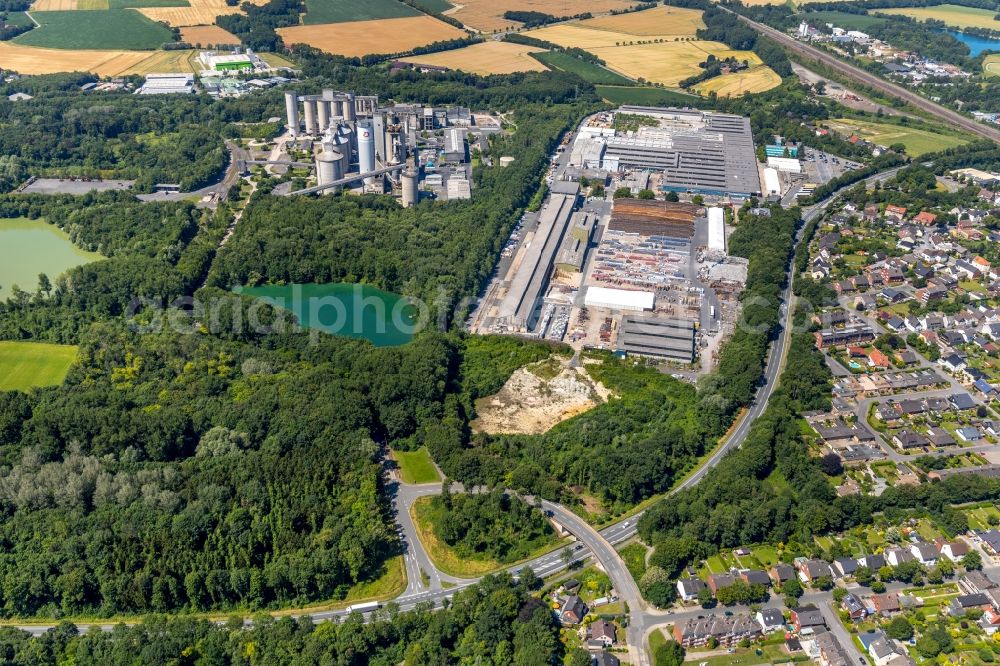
x=771 y=183
x=619 y=299
x=716 y=229
x=785 y=164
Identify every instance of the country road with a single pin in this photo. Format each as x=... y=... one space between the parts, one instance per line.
x=952 y=118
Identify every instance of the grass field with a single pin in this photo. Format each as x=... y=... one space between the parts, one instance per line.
x=588 y=71
x=26 y=365
x=123 y=29
x=338 y=11
x=980 y=516
x=755 y=79
x=487 y=15
x=954 y=15
x=917 y=141
x=991 y=65
x=845 y=20
x=634 y=556
x=416 y=466
x=207 y=34
x=486 y=58
x=360 y=38
x=642 y=96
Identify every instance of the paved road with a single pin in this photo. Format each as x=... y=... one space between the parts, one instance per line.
x=599 y=544
x=950 y=117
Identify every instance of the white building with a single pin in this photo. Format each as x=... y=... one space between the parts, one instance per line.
x=619 y=299
x=772 y=184
x=167 y=84
x=716 y=229
x=786 y=164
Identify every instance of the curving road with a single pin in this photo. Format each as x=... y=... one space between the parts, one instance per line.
x=591 y=542
x=953 y=118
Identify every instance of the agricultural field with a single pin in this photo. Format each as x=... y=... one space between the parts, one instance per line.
x=845 y=20
x=167 y=62
x=486 y=58
x=954 y=15
x=643 y=96
x=917 y=141
x=754 y=80
x=200 y=12
x=26 y=365
x=487 y=15
x=436 y=6
x=54 y=5
x=33 y=60
x=339 y=11
x=122 y=29
x=991 y=65
x=17 y=18
x=656 y=22
x=656 y=45
x=207 y=34
x=588 y=71
x=360 y=38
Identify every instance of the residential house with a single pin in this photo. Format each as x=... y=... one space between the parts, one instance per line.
x=907 y=439
x=605 y=659
x=770 y=619
x=885 y=604
x=830 y=651
x=962 y=401
x=895 y=213
x=896 y=556
x=726 y=630
x=976 y=581
x=991 y=541
x=924 y=552
x=810 y=570
x=882 y=650
x=969 y=434
x=940 y=437
x=807 y=617
x=853 y=607
x=962 y=604
x=755 y=577
x=878 y=359
x=925 y=218
x=845 y=566
x=717 y=582
x=573 y=610
x=688 y=588
x=873 y=562
x=781 y=572
x=952 y=363
x=603 y=631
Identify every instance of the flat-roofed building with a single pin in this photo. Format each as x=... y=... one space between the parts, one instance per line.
x=663 y=337
x=619 y=299
x=573 y=252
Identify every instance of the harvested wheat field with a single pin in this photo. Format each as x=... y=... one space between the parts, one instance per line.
x=201 y=12
x=754 y=80
x=485 y=58
x=537 y=398
x=657 y=22
x=54 y=5
x=35 y=60
x=361 y=38
x=487 y=15
x=207 y=34
x=167 y=62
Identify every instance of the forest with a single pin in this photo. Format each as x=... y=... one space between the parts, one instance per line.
x=489 y=526
x=494 y=623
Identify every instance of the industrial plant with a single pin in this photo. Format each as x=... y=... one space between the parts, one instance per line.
x=350 y=141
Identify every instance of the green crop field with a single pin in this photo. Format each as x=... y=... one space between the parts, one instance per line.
x=844 y=20
x=588 y=71
x=645 y=96
x=110 y=29
x=26 y=365
x=342 y=11
x=416 y=466
x=917 y=141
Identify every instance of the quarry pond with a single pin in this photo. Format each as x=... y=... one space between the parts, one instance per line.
x=29 y=247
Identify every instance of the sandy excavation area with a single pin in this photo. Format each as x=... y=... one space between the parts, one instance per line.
x=538 y=397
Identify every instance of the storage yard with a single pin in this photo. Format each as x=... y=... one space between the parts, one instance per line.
x=639 y=276
x=485 y=58
x=361 y=38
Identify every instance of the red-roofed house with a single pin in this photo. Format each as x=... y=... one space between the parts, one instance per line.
x=878 y=359
x=895 y=212
x=925 y=218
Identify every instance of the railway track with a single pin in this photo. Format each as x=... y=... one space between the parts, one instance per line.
x=950 y=117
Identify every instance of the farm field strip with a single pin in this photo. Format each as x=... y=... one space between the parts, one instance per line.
x=662 y=20
x=360 y=38
x=486 y=58
x=756 y=79
x=124 y=29
x=956 y=16
x=342 y=11
x=487 y=15
x=917 y=141
x=207 y=34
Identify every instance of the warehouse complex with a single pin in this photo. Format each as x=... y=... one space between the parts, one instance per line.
x=696 y=151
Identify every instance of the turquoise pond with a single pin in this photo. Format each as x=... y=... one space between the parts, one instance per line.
x=350 y=310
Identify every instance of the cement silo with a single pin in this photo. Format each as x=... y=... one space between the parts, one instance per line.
x=328 y=168
x=292 y=112
x=349 y=113
x=411 y=194
x=323 y=114
x=309 y=106
x=366 y=150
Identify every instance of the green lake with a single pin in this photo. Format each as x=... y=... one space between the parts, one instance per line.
x=30 y=247
x=351 y=310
